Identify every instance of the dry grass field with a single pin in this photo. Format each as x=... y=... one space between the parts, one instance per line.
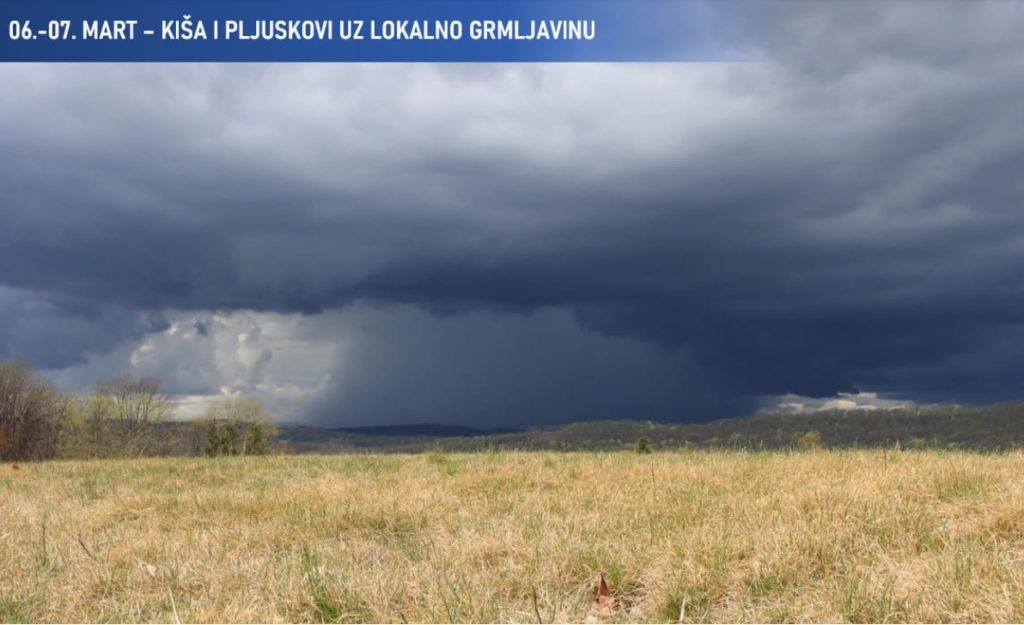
x=517 y=537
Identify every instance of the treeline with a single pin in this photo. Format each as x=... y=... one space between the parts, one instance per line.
x=983 y=428
x=991 y=427
x=122 y=417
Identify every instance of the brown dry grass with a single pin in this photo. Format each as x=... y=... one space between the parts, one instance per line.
x=497 y=537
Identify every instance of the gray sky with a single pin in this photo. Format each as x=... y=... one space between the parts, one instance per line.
x=525 y=244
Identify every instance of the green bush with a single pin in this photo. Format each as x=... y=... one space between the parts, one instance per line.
x=237 y=427
x=643 y=446
x=809 y=440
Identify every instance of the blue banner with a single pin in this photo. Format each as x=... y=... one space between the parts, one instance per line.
x=361 y=30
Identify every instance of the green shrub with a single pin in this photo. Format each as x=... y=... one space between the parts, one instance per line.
x=643 y=446
x=809 y=440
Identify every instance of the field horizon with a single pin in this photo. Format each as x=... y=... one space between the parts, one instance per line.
x=812 y=536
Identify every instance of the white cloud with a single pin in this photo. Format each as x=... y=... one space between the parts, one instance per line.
x=863 y=400
x=201 y=357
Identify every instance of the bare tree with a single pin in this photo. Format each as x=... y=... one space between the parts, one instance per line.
x=30 y=414
x=132 y=406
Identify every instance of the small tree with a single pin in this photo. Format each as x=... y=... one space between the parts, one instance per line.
x=238 y=426
x=809 y=440
x=643 y=446
x=256 y=443
x=88 y=429
x=131 y=407
x=121 y=417
x=231 y=439
x=30 y=414
x=214 y=442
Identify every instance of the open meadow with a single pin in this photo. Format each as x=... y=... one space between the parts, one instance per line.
x=517 y=537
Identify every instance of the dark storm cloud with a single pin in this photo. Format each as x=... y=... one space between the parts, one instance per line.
x=846 y=215
x=56 y=331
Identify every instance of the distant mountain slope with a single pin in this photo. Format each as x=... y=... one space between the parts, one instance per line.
x=423 y=429
x=991 y=427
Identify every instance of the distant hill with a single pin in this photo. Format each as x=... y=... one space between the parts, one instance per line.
x=424 y=429
x=990 y=427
